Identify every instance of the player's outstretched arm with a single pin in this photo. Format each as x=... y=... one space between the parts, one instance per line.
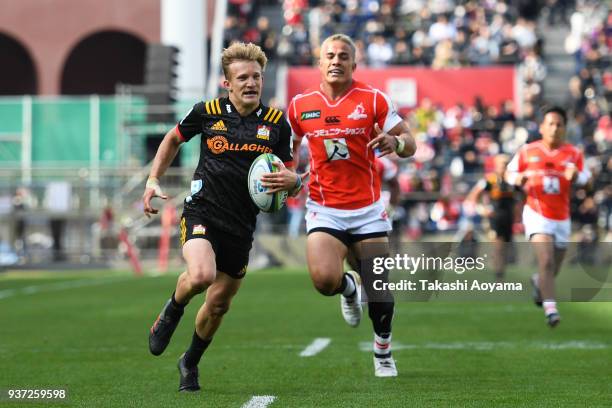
x=476 y=191
x=470 y=203
x=166 y=152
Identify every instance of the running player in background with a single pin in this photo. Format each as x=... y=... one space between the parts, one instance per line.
x=346 y=122
x=500 y=213
x=546 y=170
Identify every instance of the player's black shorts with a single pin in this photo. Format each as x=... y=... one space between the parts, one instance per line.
x=501 y=223
x=231 y=252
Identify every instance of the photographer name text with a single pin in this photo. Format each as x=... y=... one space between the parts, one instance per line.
x=443 y=286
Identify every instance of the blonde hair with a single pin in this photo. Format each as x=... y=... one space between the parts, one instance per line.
x=345 y=39
x=240 y=51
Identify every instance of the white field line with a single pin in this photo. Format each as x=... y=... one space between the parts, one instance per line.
x=259 y=401
x=315 y=347
x=492 y=345
x=30 y=290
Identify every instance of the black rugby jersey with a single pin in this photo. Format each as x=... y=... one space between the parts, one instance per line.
x=500 y=192
x=228 y=146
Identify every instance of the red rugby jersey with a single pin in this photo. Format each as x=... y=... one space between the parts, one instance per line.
x=547 y=189
x=343 y=172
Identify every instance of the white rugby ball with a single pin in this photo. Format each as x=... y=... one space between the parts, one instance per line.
x=259 y=194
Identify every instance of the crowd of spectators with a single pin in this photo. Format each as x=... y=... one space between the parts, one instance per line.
x=437 y=33
x=589 y=101
x=433 y=33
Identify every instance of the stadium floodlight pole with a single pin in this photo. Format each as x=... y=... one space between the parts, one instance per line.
x=212 y=89
x=26 y=142
x=182 y=26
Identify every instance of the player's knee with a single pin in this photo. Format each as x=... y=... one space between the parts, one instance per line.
x=325 y=282
x=326 y=286
x=201 y=279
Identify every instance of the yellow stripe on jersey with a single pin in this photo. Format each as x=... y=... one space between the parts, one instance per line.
x=212 y=107
x=271 y=118
x=270 y=110
x=183 y=231
x=278 y=116
x=217 y=106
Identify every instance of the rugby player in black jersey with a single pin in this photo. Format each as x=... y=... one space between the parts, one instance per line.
x=219 y=216
x=500 y=213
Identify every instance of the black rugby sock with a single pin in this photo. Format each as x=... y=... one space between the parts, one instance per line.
x=381 y=314
x=195 y=350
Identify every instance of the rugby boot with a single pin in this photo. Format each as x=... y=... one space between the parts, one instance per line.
x=188 y=376
x=163 y=328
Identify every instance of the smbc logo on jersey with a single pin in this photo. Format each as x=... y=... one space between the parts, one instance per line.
x=220 y=144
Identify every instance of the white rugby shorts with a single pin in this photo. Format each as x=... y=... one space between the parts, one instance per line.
x=536 y=223
x=366 y=220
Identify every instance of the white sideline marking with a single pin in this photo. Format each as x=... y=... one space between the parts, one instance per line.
x=259 y=401
x=574 y=344
x=492 y=345
x=29 y=290
x=315 y=347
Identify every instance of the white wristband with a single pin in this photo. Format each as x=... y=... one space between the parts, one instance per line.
x=401 y=144
x=153 y=183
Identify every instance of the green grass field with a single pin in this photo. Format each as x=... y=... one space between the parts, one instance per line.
x=87 y=333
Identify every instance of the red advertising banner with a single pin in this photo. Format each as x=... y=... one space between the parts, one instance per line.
x=407 y=86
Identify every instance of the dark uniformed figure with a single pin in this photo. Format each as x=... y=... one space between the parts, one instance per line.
x=219 y=198
x=502 y=198
x=501 y=211
x=219 y=216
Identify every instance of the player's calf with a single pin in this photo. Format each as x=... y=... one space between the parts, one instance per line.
x=381 y=307
x=536 y=294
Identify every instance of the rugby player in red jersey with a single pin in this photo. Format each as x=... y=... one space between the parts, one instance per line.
x=546 y=170
x=346 y=123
